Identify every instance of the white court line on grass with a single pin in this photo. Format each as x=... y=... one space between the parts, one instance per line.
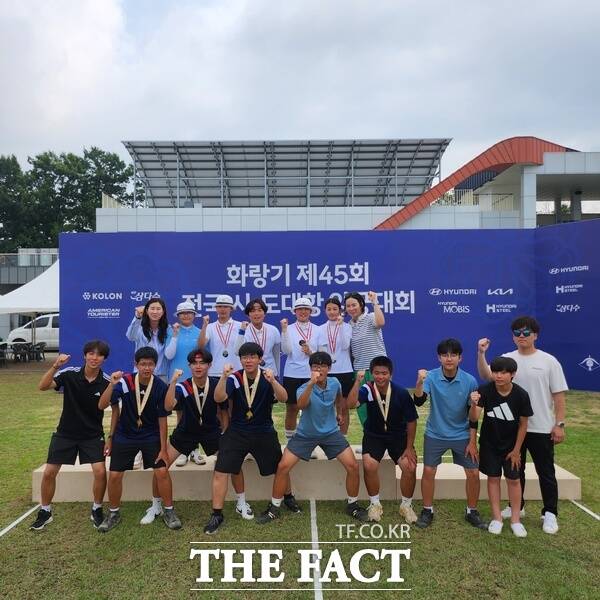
x=586 y=509
x=314 y=534
x=21 y=518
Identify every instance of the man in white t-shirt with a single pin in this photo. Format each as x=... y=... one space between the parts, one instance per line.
x=541 y=375
x=221 y=336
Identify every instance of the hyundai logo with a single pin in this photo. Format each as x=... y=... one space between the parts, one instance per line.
x=553 y=271
x=435 y=291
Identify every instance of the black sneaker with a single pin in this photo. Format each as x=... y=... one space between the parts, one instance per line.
x=291 y=504
x=97 y=516
x=110 y=522
x=357 y=512
x=213 y=524
x=273 y=512
x=43 y=518
x=425 y=518
x=171 y=519
x=474 y=518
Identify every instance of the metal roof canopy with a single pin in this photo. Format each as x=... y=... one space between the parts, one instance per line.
x=286 y=173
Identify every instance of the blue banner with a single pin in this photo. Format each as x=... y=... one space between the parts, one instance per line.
x=431 y=285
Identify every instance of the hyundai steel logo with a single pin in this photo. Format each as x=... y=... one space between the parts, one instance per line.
x=435 y=291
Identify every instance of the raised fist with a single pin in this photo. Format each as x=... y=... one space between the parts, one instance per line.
x=284 y=324
x=314 y=377
x=372 y=296
x=360 y=376
x=176 y=375
x=116 y=377
x=483 y=344
x=205 y=320
x=475 y=396
x=139 y=311
x=269 y=376
x=244 y=325
x=340 y=319
x=421 y=375
x=175 y=328
x=227 y=369
x=61 y=359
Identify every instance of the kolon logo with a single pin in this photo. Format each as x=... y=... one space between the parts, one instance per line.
x=102 y=296
x=435 y=292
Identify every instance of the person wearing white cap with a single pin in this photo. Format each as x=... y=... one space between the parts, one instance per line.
x=182 y=338
x=221 y=336
x=298 y=342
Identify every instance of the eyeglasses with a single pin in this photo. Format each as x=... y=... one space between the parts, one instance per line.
x=198 y=363
x=522 y=332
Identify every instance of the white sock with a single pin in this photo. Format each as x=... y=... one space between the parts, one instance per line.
x=428 y=508
x=374 y=499
x=96 y=506
x=157 y=504
x=47 y=507
x=276 y=502
x=289 y=433
x=114 y=510
x=405 y=501
x=470 y=509
x=352 y=500
x=241 y=499
x=169 y=507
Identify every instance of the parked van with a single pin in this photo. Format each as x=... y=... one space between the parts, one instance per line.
x=46 y=330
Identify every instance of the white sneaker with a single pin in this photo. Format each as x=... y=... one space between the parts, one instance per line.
x=375 y=512
x=181 y=460
x=495 y=527
x=406 y=511
x=197 y=458
x=245 y=511
x=150 y=515
x=550 y=523
x=138 y=461
x=518 y=529
x=507 y=513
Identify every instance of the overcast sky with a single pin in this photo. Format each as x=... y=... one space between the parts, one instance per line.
x=79 y=73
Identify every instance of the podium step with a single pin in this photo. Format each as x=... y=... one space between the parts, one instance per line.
x=319 y=479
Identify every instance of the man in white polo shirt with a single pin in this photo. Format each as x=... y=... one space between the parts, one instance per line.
x=541 y=375
x=221 y=336
x=298 y=341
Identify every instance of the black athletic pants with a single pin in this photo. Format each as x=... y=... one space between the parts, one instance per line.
x=541 y=449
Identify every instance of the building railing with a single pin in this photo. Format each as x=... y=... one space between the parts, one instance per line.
x=485 y=202
x=29 y=259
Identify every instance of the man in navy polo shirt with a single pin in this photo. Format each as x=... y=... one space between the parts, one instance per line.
x=251 y=393
x=391 y=425
x=142 y=427
x=79 y=430
x=448 y=388
x=320 y=400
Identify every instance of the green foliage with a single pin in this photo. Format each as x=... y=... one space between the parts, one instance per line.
x=58 y=193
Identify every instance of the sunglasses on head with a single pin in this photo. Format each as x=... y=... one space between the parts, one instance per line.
x=522 y=332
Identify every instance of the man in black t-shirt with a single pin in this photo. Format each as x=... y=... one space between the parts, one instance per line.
x=506 y=408
x=251 y=393
x=142 y=427
x=79 y=430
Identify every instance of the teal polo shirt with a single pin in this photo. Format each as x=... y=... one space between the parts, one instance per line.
x=449 y=404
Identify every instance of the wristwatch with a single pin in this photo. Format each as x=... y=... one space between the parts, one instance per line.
x=560 y=424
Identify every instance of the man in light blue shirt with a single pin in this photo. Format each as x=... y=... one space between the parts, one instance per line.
x=320 y=400
x=448 y=389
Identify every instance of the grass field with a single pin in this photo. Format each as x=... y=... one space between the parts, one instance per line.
x=69 y=559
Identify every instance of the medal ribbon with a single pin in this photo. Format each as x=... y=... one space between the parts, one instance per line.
x=333 y=338
x=254 y=387
x=263 y=338
x=224 y=339
x=200 y=404
x=141 y=404
x=306 y=337
x=384 y=406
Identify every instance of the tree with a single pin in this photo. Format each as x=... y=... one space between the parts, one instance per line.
x=14 y=207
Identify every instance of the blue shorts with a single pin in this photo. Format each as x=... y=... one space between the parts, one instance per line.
x=433 y=449
x=333 y=444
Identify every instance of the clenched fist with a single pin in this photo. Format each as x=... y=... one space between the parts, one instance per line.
x=227 y=369
x=284 y=324
x=244 y=325
x=139 y=311
x=372 y=296
x=176 y=375
x=205 y=320
x=268 y=375
x=116 y=377
x=475 y=397
x=175 y=328
x=61 y=360
x=360 y=376
x=482 y=345
x=421 y=375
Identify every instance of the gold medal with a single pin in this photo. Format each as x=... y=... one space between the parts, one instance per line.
x=249 y=415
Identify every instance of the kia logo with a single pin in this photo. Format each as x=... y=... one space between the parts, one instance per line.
x=435 y=291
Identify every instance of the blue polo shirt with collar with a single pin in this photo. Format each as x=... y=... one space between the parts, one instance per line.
x=449 y=404
x=319 y=418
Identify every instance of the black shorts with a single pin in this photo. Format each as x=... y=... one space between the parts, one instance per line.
x=291 y=385
x=375 y=446
x=346 y=381
x=235 y=445
x=123 y=455
x=64 y=450
x=492 y=463
x=185 y=443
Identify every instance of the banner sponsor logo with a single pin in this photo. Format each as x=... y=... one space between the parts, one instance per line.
x=104 y=313
x=500 y=292
x=569 y=289
x=500 y=308
x=453 y=291
x=454 y=308
x=567 y=308
x=589 y=364
x=102 y=296
x=143 y=296
x=571 y=269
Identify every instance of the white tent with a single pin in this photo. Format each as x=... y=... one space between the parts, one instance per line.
x=40 y=295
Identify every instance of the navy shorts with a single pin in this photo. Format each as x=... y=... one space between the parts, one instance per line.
x=492 y=463
x=64 y=450
x=291 y=385
x=433 y=449
x=122 y=456
x=375 y=446
x=234 y=446
x=333 y=444
x=185 y=443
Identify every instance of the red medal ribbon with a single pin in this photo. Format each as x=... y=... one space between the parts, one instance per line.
x=263 y=338
x=224 y=339
x=306 y=338
x=332 y=339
